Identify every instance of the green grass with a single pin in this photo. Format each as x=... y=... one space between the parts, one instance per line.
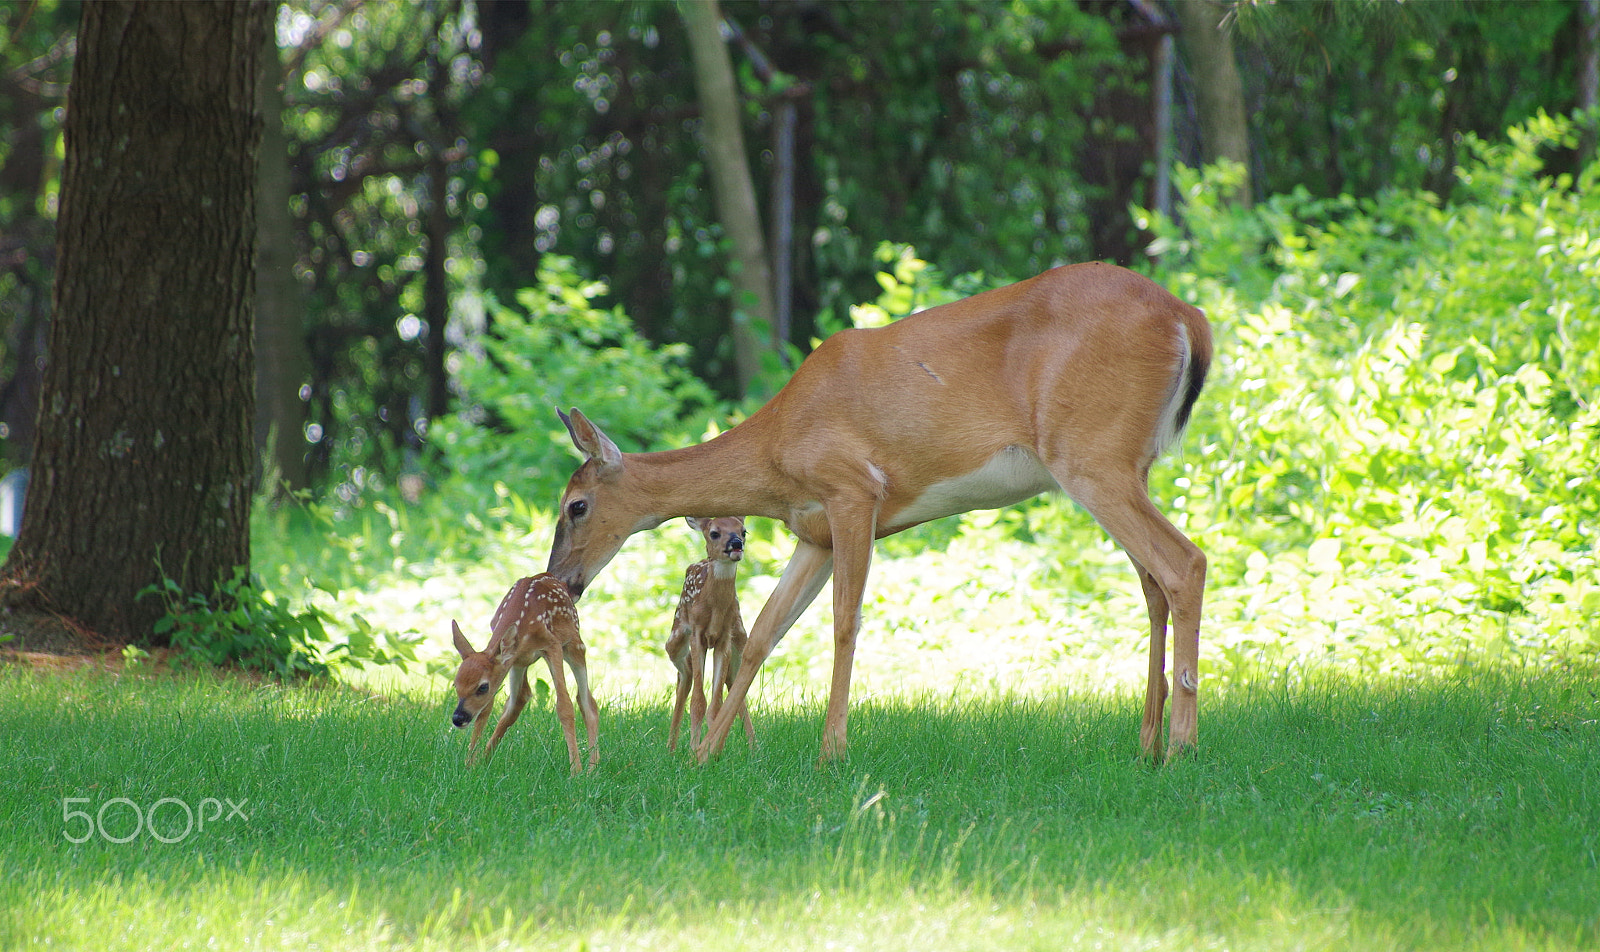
x=1460 y=811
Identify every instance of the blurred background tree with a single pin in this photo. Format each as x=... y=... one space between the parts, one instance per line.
x=428 y=159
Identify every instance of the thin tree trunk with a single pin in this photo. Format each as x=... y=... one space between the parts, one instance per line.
x=283 y=361
x=435 y=290
x=1219 y=94
x=1588 y=79
x=732 y=187
x=143 y=463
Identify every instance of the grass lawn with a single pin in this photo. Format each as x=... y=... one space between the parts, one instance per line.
x=1455 y=812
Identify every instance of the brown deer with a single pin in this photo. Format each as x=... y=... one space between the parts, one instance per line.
x=1076 y=380
x=708 y=619
x=536 y=619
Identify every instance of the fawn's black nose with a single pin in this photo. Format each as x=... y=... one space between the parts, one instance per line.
x=460 y=718
x=735 y=546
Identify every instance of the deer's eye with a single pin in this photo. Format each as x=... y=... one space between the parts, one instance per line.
x=715 y=534
x=483 y=688
x=578 y=508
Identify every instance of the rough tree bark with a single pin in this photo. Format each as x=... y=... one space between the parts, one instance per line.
x=1207 y=44
x=143 y=461
x=731 y=186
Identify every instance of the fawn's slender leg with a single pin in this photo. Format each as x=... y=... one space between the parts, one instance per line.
x=516 y=700
x=717 y=687
x=477 y=732
x=697 y=695
x=569 y=724
x=678 y=652
x=578 y=661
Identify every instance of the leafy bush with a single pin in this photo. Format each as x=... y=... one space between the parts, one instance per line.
x=1398 y=451
x=243 y=625
x=562 y=350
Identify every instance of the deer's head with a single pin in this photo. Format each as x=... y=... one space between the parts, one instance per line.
x=600 y=508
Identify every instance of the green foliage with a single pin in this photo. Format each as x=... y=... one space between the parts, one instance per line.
x=563 y=350
x=960 y=123
x=1357 y=96
x=242 y=624
x=1398 y=447
x=380 y=176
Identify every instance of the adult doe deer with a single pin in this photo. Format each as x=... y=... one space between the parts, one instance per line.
x=708 y=619
x=1075 y=380
x=536 y=619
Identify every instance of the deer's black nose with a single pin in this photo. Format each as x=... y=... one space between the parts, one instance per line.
x=460 y=718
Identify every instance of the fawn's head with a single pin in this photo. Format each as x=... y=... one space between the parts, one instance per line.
x=477 y=680
x=724 y=536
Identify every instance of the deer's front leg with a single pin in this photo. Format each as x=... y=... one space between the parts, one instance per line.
x=804 y=577
x=853 y=527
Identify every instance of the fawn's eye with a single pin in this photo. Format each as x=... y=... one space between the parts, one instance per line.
x=715 y=534
x=483 y=688
x=578 y=508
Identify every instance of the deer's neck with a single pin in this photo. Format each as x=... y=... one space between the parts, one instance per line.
x=732 y=475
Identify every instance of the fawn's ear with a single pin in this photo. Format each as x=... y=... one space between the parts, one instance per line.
x=463 y=646
x=695 y=523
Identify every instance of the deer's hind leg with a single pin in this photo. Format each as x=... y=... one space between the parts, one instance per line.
x=1172 y=573
x=1155 y=695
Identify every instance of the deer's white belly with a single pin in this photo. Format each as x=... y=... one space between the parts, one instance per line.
x=1010 y=476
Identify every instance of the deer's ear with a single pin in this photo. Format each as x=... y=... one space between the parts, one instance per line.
x=463 y=646
x=695 y=523
x=590 y=441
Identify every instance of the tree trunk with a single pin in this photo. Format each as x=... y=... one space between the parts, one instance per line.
x=283 y=361
x=1588 y=79
x=1219 y=95
x=435 y=291
x=732 y=188
x=143 y=463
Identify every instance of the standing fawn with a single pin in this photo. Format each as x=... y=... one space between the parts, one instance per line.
x=708 y=620
x=536 y=618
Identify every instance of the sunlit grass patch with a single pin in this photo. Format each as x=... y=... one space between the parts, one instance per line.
x=1452 y=812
